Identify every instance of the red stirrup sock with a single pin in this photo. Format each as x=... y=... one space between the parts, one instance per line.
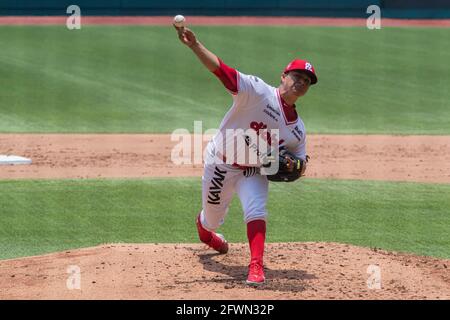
x=204 y=235
x=256 y=233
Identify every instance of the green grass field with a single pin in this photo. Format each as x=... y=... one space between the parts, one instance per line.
x=141 y=79
x=52 y=215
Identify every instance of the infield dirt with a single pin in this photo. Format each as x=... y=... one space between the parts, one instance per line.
x=371 y=157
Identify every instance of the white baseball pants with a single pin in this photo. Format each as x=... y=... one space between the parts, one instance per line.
x=219 y=183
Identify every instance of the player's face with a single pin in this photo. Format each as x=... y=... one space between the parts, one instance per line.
x=298 y=83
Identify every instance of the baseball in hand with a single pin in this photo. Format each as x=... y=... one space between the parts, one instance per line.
x=178 y=21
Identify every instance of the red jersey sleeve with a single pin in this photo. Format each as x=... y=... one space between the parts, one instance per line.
x=228 y=76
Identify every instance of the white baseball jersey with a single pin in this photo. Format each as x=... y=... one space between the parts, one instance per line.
x=257 y=106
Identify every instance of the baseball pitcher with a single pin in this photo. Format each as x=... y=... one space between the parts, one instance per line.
x=259 y=108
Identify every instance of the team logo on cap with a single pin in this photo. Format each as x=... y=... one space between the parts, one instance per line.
x=308 y=66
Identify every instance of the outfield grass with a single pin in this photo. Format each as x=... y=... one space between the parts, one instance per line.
x=141 y=79
x=51 y=215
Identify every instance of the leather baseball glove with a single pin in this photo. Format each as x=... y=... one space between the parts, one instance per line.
x=290 y=167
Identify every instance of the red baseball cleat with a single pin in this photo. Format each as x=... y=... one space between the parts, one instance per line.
x=212 y=239
x=255 y=274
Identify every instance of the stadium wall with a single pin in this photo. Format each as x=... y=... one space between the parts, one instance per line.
x=323 y=8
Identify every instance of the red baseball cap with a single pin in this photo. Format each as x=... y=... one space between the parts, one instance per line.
x=302 y=65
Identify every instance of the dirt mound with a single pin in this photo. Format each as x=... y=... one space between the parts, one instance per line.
x=188 y=271
x=373 y=157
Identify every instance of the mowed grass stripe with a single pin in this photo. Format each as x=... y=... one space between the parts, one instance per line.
x=44 y=216
x=141 y=79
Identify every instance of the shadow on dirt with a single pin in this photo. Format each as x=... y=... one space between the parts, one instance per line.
x=277 y=280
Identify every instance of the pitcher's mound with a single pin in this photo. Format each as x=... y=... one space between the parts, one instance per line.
x=188 y=271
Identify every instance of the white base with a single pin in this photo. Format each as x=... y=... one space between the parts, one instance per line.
x=4 y=159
